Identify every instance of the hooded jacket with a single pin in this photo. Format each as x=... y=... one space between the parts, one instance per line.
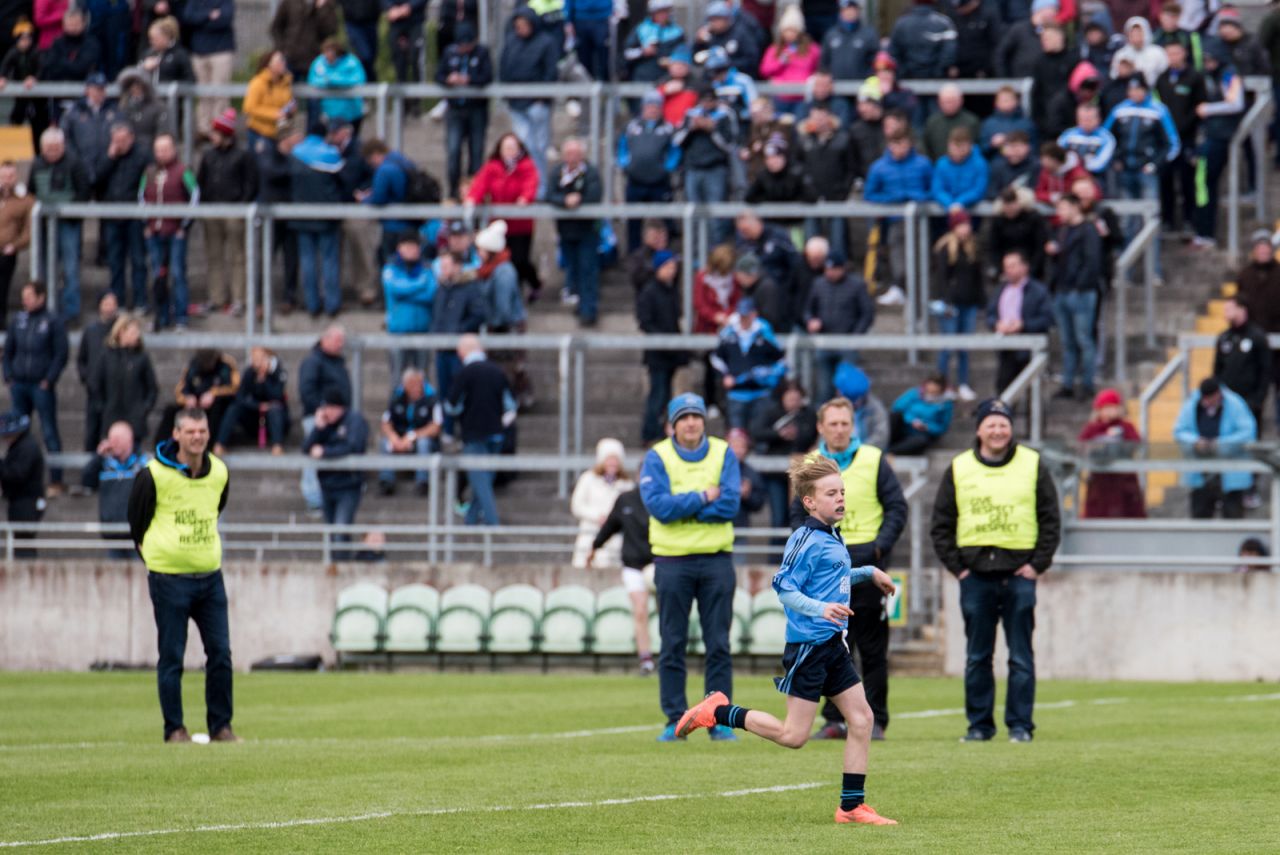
x=147 y=114
x=409 y=292
x=1235 y=428
x=1144 y=134
x=848 y=50
x=531 y=60
x=1150 y=60
x=923 y=43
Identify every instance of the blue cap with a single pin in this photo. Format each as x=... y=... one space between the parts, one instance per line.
x=851 y=381
x=685 y=405
x=716 y=59
x=1041 y=5
x=97 y=78
x=682 y=54
x=11 y=423
x=662 y=256
x=746 y=306
x=653 y=96
x=719 y=9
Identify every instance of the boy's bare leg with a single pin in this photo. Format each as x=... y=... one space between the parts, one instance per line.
x=791 y=733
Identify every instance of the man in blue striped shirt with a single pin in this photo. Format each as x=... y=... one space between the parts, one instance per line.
x=813 y=585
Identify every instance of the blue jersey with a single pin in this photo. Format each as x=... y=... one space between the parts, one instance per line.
x=815 y=571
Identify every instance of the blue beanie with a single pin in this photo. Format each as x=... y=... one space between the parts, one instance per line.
x=851 y=381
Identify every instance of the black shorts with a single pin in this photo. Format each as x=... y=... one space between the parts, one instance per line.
x=814 y=670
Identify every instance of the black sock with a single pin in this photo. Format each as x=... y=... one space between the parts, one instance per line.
x=732 y=716
x=852 y=794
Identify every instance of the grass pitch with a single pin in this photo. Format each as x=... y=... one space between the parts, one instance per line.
x=424 y=762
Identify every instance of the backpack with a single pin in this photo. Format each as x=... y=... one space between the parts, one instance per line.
x=420 y=188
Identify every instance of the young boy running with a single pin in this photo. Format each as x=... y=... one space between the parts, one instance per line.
x=813 y=586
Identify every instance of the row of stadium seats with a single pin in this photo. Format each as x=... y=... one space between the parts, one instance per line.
x=523 y=619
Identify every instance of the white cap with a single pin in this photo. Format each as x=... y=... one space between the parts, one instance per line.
x=493 y=237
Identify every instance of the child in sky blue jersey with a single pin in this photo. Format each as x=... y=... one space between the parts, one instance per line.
x=813 y=586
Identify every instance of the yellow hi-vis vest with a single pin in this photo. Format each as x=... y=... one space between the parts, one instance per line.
x=183 y=535
x=688 y=536
x=997 y=504
x=863 y=512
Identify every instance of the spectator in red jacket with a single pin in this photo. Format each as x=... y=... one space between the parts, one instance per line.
x=509 y=177
x=715 y=297
x=1108 y=435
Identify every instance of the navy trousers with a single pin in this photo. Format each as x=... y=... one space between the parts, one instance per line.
x=710 y=581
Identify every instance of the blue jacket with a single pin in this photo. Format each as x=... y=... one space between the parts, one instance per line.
x=962 y=184
x=936 y=415
x=815 y=571
x=1094 y=148
x=390 y=186
x=587 y=10
x=895 y=181
x=1004 y=123
x=210 y=36
x=655 y=489
x=664 y=39
x=347 y=71
x=1037 y=308
x=316 y=178
x=752 y=358
x=1236 y=428
x=501 y=290
x=409 y=293
x=1145 y=133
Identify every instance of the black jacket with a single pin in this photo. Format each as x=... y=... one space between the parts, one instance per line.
x=867 y=140
x=124 y=385
x=658 y=311
x=93 y=343
x=777 y=254
x=320 y=371
x=843 y=307
x=976 y=34
x=142 y=499
x=1018 y=50
x=478 y=67
x=989 y=559
x=227 y=175
x=479 y=397
x=1181 y=92
x=341 y=439
x=531 y=60
x=1027 y=232
x=830 y=164
x=119 y=177
x=889 y=493
x=958 y=282
x=22 y=470
x=1242 y=363
x=587 y=183
x=1050 y=70
x=70 y=58
x=1078 y=266
x=270 y=389
x=789 y=185
x=458 y=308
x=767 y=420
x=774 y=303
x=631 y=517
x=35 y=349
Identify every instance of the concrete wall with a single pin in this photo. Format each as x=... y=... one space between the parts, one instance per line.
x=1143 y=626
x=66 y=615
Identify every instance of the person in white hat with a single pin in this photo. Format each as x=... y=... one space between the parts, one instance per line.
x=498 y=280
x=593 y=498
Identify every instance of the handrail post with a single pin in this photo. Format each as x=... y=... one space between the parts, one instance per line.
x=380 y=115
x=51 y=261
x=37 y=243
x=562 y=478
x=433 y=508
x=268 y=238
x=579 y=395
x=1037 y=404
x=250 y=267
x=686 y=269
x=1121 y=288
x=596 y=145
x=186 y=103
x=397 y=122
x=608 y=151
x=1185 y=352
x=1233 y=201
x=450 y=490
x=1275 y=484
x=1149 y=291
x=357 y=374
x=910 y=256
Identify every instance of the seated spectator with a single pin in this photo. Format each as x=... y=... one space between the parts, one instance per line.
x=340 y=431
x=785 y=425
x=771 y=299
x=122 y=380
x=749 y=361
x=849 y=47
x=920 y=417
x=950 y=116
x=1252 y=547
x=111 y=472
x=870 y=418
x=1108 y=435
x=1021 y=305
x=408 y=290
x=960 y=177
x=753 y=489
x=821 y=95
x=792 y=58
x=209 y=383
x=411 y=424
x=839 y=304
x=658 y=313
x=1013 y=167
x=261 y=406
x=338 y=68
x=1016 y=227
x=1215 y=423
x=594 y=496
x=1007 y=118
x=957 y=269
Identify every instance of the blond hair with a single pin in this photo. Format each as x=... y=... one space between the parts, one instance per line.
x=123 y=322
x=806 y=472
x=839 y=402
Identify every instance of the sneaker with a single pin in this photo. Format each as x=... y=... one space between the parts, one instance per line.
x=225 y=735
x=669 y=734
x=864 y=814
x=893 y=297
x=721 y=733
x=568 y=298
x=461 y=508
x=437 y=112
x=713 y=412
x=701 y=714
x=1019 y=735
x=1252 y=501
x=573 y=107
x=386 y=488
x=179 y=735
x=877 y=732
x=832 y=730
x=647 y=666
x=1199 y=242
x=181 y=327
x=975 y=735
x=966 y=393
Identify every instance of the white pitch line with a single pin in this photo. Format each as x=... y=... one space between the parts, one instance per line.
x=375 y=815
x=1274 y=696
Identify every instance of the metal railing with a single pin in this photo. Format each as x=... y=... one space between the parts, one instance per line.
x=1253 y=129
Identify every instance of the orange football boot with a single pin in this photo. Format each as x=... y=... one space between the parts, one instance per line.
x=702 y=714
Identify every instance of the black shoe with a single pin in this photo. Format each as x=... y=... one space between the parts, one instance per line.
x=832 y=730
x=387 y=488
x=975 y=735
x=1066 y=393
x=877 y=732
x=1019 y=735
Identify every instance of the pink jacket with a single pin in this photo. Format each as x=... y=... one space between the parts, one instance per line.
x=796 y=68
x=48 y=20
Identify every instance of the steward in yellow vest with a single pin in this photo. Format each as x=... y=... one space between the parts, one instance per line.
x=173 y=519
x=996 y=525
x=691 y=486
x=875 y=514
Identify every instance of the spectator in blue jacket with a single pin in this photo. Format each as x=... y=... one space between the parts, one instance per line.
x=1007 y=118
x=209 y=26
x=465 y=63
x=651 y=43
x=338 y=68
x=920 y=417
x=1146 y=139
x=391 y=172
x=588 y=24
x=849 y=47
x=1092 y=144
x=900 y=175
x=648 y=156
x=340 y=431
x=733 y=32
x=1215 y=422
x=749 y=361
x=409 y=290
x=1022 y=305
x=960 y=177
x=410 y=425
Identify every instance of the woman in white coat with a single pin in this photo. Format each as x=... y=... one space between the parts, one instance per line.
x=593 y=497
